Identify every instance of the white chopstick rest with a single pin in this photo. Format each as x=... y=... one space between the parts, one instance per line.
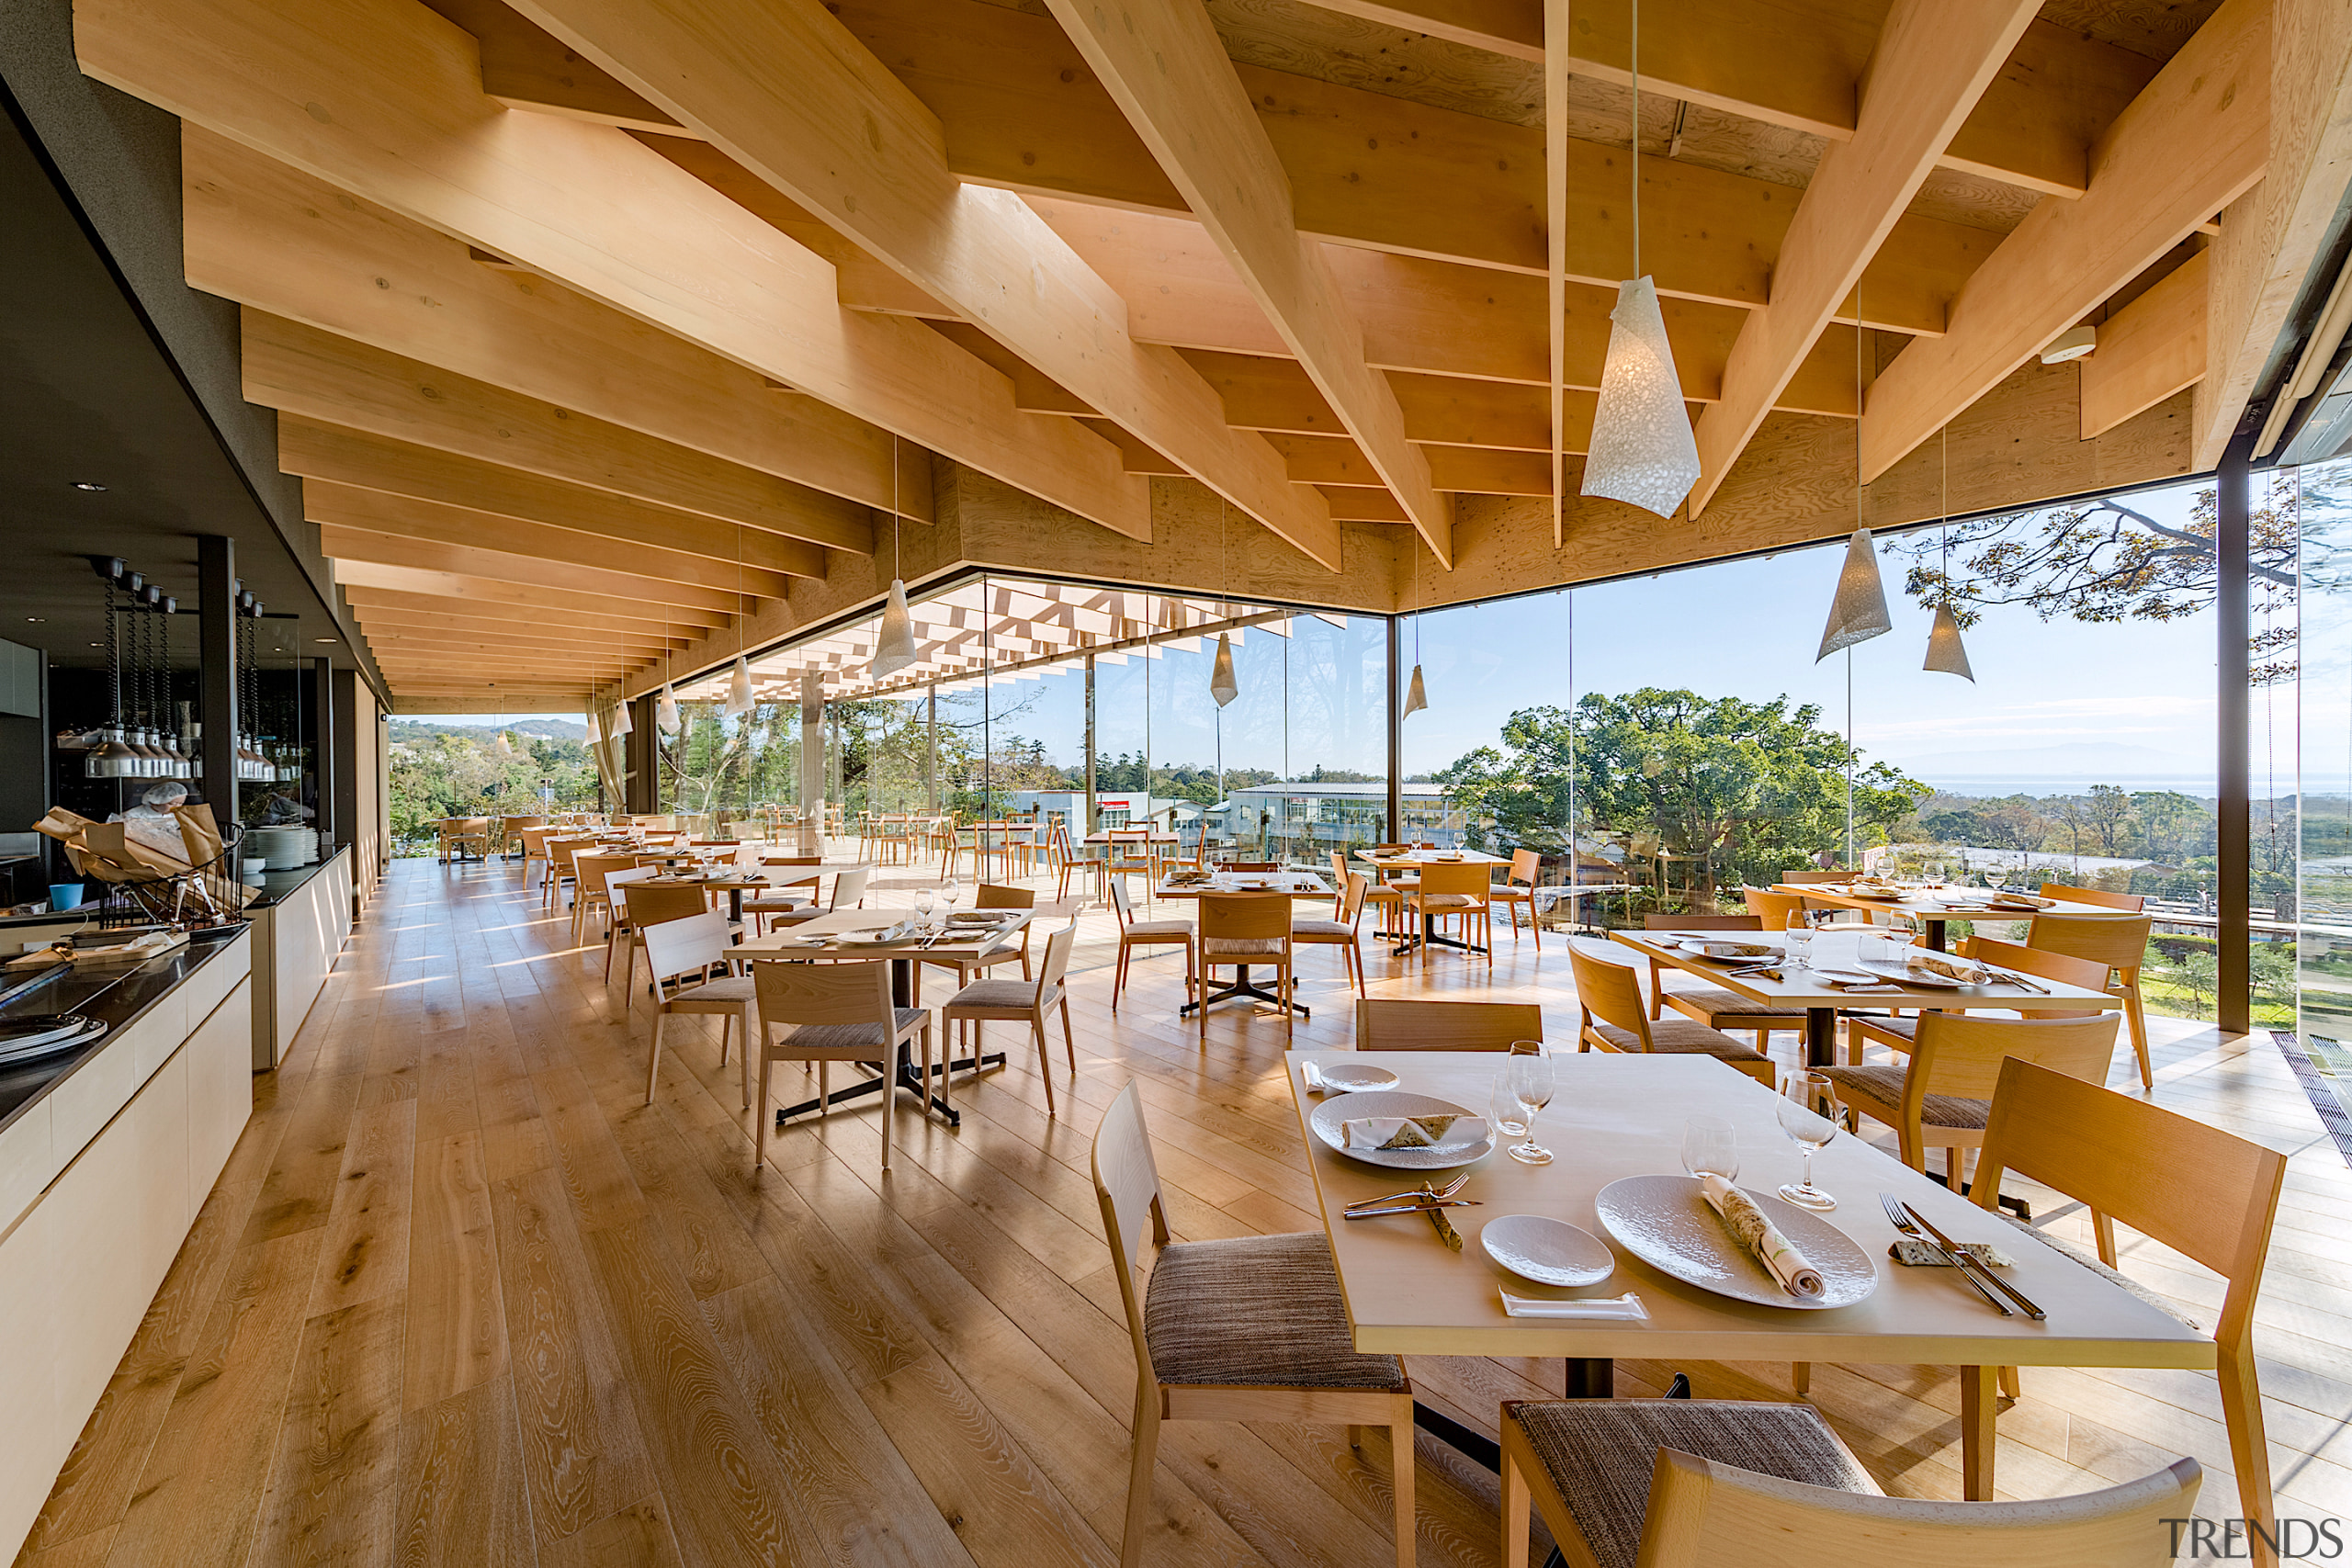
x=1627 y=1308
x=1761 y=1236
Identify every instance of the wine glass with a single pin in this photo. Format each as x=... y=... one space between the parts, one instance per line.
x=925 y=901
x=949 y=892
x=1530 y=1073
x=1710 y=1147
x=1504 y=1105
x=1796 y=941
x=1809 y=1113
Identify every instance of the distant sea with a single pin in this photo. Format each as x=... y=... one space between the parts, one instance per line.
x=1996 y=785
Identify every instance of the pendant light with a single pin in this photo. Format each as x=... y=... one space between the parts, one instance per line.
x=1643 y=450
x=622 y=723
x=1946 y=654
x=1222 y=686
x=111 y=759
x=1416 y=697
x=666 y=716
x=1858 y=613
x=895 y=650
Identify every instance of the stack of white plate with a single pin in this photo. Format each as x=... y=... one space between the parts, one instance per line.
x=283 y=848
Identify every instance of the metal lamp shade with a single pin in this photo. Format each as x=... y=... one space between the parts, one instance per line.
x=1858 y=613
x=665 y=712
x=895 y=650
x=1946 y=654
x=1642 y=451
x=1416 y=697
x=110 y=759
x=738 y=689
x=1222 y=684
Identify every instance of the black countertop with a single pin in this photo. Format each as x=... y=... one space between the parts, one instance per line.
x=120 y=997
x=276 y=885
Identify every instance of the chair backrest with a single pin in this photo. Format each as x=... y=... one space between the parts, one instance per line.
x=1775 y=909
x=1055 y=962
x=1472 y=877
x=997 y=895
x=617 y=885
x=772 y=862
x=2133 y=902
x=1609 y=993
x=653 y=902
x=1392 y=849
x=1355 y=888
x=2119 y=942
x=2056 y=967
x=1705 y=1514
x=849 y=888
x=2203 y=1192
x=1245 y=915
x=534 y=842
x=813 y=994
x=1390 y=1023
x=685 y=946
x=562 y=852
x=1808 y=877
x=1127 y=1185
x=1339 y=867
x=1525 y=864
x=1702 y=922
x=1121 y=902
x=1960 y=1053
x=592 y=870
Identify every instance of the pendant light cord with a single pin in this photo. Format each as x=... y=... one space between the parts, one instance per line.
x=1633 y=157
x=1944 y=487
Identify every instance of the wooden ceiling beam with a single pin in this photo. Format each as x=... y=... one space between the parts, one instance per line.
x=584 y=204
x=268 y=235
x=1933 y=63
x=397 y=549
x=363 y=460
x=382 y=633
x=510 y=635
x=2187 y=147
x=300 y=370
x=1164 y=65
x=2148 y=350
x=781 y=88
x=345 y=506
x=500 y=664
x=484 y=595
x=465 y=609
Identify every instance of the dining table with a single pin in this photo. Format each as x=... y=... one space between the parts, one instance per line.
x=1933 y=905
x=1288 y=883
x=1835 y=951
x=1614 y=1117
x=1421 y=860
x=833 y=937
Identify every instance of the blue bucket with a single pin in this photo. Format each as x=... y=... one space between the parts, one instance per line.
x=64 y=895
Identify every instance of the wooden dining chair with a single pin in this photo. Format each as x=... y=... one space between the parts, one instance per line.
x=988 y=895
x=849 y=893
x=1711 y=1483
x=1712 y=1005
x=1017 y=1001
x=1342 y=932
x=1616 y=1019
x=511 y=831
x=1241 y=1328
x=1516 y=891
x=588 y=894
x=760 y=907
x=1774 y=911
x=2207 y=1194
x=1813 y=877
x=535 y=850
x=1242 y=930
x=1940 y=1096
x=1894 y=1032
x=1135 y=933
x=683 y=955
x=2119 y=942
x=1397 y=1023
x=651 y=903
x=561 y=854
x=2130 y=902
x=1253 y=865
x=834 y=1012
x=1459 y=893
x=455 y=833
x=618 y=933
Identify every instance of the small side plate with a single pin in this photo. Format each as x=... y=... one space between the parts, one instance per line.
x=1548 y=1251
x=1354 y=1076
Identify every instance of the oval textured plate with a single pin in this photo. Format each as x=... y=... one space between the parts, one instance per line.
x=1548 y=1251
x=1663 y=1221
x=1356 y=1076
x=1328 y=1114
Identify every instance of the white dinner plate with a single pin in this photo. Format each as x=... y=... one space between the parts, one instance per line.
x=1900 y=971
x=1327 y=1115
x=1548 y=1251
x=1739 y=949
x=1354 y=1077
x=1663 y=1221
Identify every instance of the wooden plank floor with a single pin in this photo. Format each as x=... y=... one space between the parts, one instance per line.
x=460 y=1297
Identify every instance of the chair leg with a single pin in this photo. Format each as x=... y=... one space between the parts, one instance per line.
x=1519 y=1507
x=1070 y=1041
x=2135 y=1015
x=726 y=1027
x=1044 y=1059
x=747 y=1061
x=2249 y=1453
x=1400 y=1466
x=1145 y=1446
x=1119 y=978
x=1801 y=1378
x=654 y=1059
x=2011 y=1389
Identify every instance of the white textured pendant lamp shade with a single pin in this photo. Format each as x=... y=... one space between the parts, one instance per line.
x=595 y=734
x=1642 y=451
x=1222 y=684
x=1859 y=612
x=665 y=712
x=895 y=650
x=622 y=723
x=738 y=689
x=1946 y=654
x=1416 y=695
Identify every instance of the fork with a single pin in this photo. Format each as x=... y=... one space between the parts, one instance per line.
x=1422 y=1192
x=1960 y=1261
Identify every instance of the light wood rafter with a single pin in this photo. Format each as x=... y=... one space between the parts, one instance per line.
x=2149 y=349
x=581 y=203
x=785 y=91
x=2190 y=145
x=1162 y=63
x=1933 y=63
x=461 y=590
x=364 y=545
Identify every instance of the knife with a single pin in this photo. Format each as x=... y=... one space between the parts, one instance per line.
x=1964 y=1260
x=1446 y=1231
x=1411 y=1208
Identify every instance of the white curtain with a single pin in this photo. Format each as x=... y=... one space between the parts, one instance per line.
x=604 y=750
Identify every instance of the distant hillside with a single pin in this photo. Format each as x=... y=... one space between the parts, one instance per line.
x=541 y=729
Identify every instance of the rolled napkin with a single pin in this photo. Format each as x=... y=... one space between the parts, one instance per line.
x=1761 y=1236
x=1314 y=1076
x=1951 y=969
x=1411 y=1131
x=1627 y=1308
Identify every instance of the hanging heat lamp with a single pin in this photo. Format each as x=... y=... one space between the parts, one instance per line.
x=111 y=757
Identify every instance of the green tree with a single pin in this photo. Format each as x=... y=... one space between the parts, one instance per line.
x=2108 y=812
x=1741 y=790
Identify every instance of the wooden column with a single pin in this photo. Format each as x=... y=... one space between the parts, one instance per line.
x=2234 y=1009
x=1395 y=738
x=640 y=781
x=216 y=607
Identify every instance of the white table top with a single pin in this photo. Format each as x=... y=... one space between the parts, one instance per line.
x=1835 y=948
x=1297 y=884
x=788 y=941
x=1944 y=903
x=1623 y=1115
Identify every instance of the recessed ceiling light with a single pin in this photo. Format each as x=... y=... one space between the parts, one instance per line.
x=322 y=639
x=32 y=620
x=85 y=484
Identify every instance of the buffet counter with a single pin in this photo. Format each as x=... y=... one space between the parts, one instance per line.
x=106 y=1152
x=301 y=922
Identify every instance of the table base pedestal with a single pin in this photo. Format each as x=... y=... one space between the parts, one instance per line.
x=1242 y=986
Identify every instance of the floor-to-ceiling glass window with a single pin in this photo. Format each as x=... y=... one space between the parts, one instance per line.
x=1336 y=734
